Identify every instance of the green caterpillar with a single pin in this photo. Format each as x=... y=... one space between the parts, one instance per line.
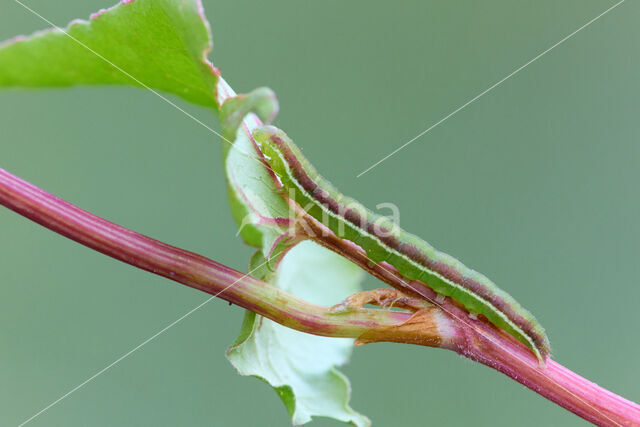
x=382 y=240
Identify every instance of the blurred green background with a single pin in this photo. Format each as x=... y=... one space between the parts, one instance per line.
x=535 y=185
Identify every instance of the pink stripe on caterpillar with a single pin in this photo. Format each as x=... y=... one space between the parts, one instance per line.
x=407 y=249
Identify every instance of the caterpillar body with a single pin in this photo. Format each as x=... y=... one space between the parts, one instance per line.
x=414 y=258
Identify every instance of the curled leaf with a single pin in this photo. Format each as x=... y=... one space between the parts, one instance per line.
x=302 y=368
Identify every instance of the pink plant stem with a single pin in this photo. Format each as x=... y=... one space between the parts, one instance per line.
x=186 y=267
x=557 y=383
x=473 y=339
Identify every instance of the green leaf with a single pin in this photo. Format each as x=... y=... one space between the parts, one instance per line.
x=261 y=101
x=162 y=44
x=301 y=367
x=256 y=204
x=254 y=198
